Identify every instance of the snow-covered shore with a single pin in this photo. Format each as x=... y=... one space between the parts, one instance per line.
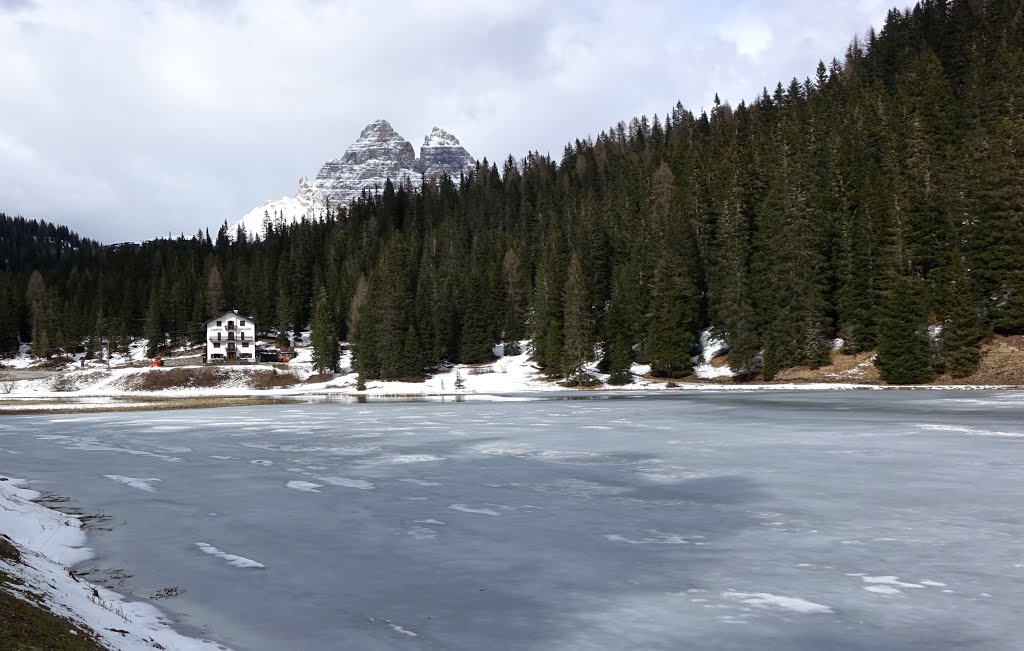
x=101 y=387
x=50 y=543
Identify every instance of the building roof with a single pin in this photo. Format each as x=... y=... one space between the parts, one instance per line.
x=231 y=313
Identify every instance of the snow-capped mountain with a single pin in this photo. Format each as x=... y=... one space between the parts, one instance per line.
x=288 y=209
x=379 y=154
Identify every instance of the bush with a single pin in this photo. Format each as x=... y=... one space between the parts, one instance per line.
x=318 y=378
x=8 y=551
x=264 y=380
x=64 y=383
x=581 y=379
x=176 y=378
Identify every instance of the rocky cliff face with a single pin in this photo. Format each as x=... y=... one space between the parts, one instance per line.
x=377 y=155
x=441 y=153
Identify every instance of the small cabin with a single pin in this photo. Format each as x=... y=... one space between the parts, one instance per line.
x=230 y=339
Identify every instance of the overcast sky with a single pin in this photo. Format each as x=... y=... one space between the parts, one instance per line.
x=127 y=120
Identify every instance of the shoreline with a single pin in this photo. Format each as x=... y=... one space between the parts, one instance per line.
x=50 y=543
x=59 y=403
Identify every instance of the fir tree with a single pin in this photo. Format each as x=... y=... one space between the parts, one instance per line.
x=324 y=338
x=905 y=351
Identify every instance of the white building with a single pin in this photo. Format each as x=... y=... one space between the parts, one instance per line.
x=230 y=339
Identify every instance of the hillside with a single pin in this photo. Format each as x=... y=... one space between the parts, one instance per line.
x=878 y=201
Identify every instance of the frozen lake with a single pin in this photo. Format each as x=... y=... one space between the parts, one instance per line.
x=837 y=520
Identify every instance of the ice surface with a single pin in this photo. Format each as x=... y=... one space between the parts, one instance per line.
x=708 y=521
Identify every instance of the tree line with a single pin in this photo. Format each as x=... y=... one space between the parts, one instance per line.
x=880 y=201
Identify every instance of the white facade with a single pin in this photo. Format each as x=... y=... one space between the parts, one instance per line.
x=231 y=339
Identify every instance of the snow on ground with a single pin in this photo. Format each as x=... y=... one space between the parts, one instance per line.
x=710 y=348
x=97 y=386
x=50 y=542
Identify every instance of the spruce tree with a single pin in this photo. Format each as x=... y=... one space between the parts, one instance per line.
x=324 y=337
x=577 y=345
x=153 y=331
x=905 y=351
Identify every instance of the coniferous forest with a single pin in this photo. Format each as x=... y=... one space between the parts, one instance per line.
x=879 y=200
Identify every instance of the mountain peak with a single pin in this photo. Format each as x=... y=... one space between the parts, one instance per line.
x=380 y=130
x=438 y=137
x=379 y=154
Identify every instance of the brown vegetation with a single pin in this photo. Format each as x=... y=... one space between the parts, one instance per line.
x=271 y=380
x=158 y=379
x=853 y=369
x=8 y=551
x=1002 y=362
x=26 y=624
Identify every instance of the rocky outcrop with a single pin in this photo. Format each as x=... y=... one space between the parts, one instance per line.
x=379 y=154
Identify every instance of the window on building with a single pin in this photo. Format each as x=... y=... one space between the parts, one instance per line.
x=216 y=344
x=219 y=323
x=241 y=324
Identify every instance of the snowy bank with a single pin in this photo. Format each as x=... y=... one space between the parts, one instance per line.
x=50 y=542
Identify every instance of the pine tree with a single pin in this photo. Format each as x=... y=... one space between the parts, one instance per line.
x=324 y=338
x=214 y=293
x=905 y=351
x=35 y=295
x=153 y=331
x=577 y=344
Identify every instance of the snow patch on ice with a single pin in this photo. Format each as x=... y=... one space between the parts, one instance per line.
x=882 y=589
x=773 y=601
x=468 y=509
x=658 y=538
x=967 y=430
x=232 y=559
x=404 y=631
x=361 y=484
x=419 y=482
x=143 y=484
x=304 y=486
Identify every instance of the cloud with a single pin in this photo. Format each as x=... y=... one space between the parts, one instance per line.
x=129 y=120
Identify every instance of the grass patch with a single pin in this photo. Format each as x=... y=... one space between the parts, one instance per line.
x=30 y=626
